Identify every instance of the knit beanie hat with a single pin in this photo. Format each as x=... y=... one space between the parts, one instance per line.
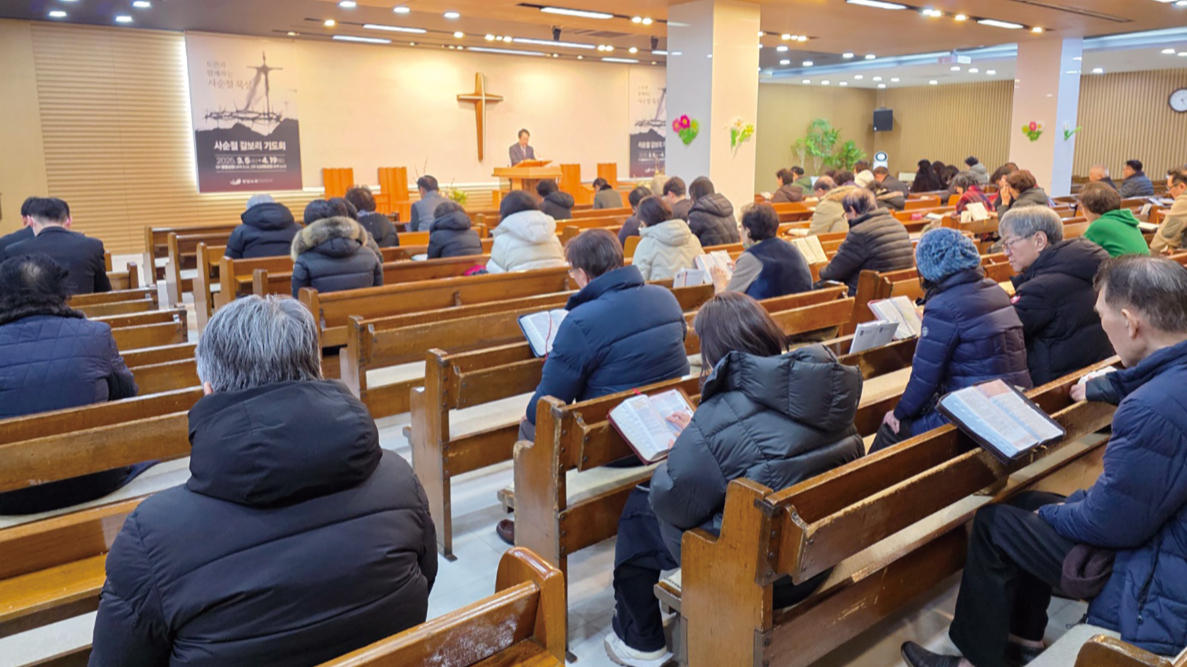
x=944 y=252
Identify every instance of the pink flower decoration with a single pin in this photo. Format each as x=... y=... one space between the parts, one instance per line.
x=1033 y=126
x=676 y=125
x=685 y=123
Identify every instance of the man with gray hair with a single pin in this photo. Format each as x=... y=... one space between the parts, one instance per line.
x=1100 y=174
x=267 y=231
x=1053 y=293
x=296 y=539
x=876 y=241
x=1135 y=515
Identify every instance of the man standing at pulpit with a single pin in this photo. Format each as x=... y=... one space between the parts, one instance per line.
x=520 y=150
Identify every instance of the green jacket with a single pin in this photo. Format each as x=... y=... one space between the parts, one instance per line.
x=1117 y=232
x=805 y=182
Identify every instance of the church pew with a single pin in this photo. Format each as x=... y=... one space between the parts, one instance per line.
x=148 y=356
x=156 y=246
x=181 y=263
x=523 y=623
x=376 y=343
x=170 y=331
x=624 y=212
x=334 y=309
x=1106 y=651
x=126 y=279
x=891 y=524
x=53 y=569
x=165 y=376
x=922 y=203
x=102 y=304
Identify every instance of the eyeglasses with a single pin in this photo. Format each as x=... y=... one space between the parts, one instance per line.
x=1008 y=246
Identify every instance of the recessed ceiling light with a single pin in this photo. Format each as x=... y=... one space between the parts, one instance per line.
x=628 y=61
x=633 y=50
x=452 y=15
x=859 y=77
x=556 y=55
x=658 y=52
x=576 y=12
x=781 y=48
x=847 y=55
x=825 y=82
x=808 y=63
x=365 y=40
x=459 y=34
x=991 y=72
x=401 y=9
x=974 y=70
x=961 y=17
x=545 y=42
x=142 y=4
x=1098 y=70
x=881 y=85
x=330 y=23
x=786 y=37
x=801 y=38
x=785 y=62
x=1001 y=24
x=509 y=52
x=393 y=28
x=870 y=56
x=1078 y=58
x=844 y=83
x=57 y=14
x=955 y=68
x=878 y=4
x=894 y=80
x=933 y=82
x=1183 y=53
x=490 y=38
x=932 y=13
x=637 y=19
x=123 y=18
x=581 y=57
x=1168 y=52
x=760 y=46
x=348 y=4
x=1037 y=30
x=647 y=21
x=805 y=81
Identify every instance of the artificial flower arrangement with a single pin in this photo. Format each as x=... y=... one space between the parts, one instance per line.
x=687 y=128
x=1033 y=131
x=740 y=132
x=1068 y=132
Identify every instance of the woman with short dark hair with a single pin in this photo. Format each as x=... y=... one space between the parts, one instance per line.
x=1021 y=190
x=711 y=217
x=525 y=238
x=769 y=267
x=554 y=202
x=605 y=195
x=377 y=224
x=767 y=415
x=631 y=226
x=965 y=185
x=788 y=190
x=667 y=244
x=53 y=358
x=926 y=179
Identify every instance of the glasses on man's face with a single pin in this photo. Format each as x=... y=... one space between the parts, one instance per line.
x=1008 y=245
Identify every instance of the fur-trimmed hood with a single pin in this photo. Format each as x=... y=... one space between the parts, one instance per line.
x=838 y=194
x=333 y=236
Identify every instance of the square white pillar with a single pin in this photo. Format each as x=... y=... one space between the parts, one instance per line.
x=1047 y=91
x=713 y=78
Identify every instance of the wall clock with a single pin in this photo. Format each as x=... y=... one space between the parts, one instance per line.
x=1178 y=100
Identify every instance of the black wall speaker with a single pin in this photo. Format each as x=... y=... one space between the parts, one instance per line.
x=883 y=120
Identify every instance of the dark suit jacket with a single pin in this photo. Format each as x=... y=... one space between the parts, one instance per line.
x=519 y=154
x=22 y=234
x=82 y=257
x=422 y=212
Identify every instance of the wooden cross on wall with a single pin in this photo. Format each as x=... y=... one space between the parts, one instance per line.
x=480 y=99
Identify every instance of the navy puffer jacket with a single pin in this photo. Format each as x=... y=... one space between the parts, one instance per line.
x=711 y=218
x=1138 y=506
x=296 y=540
x=452 y=236
x=774 y=420
x=620 y=334
x=334 y=255
x=971 y=334
x=267 y=231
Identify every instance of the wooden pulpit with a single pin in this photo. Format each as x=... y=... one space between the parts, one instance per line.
x=526 y=174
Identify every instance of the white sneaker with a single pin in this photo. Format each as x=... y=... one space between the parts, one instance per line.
x=622 y=654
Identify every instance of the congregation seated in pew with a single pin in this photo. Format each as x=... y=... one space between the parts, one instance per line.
x=711 y=217
x=1119 y=543
x=335 y=254
x=81 y=256
x=1111 y=227
x=296 y=539
x=453 y=234
x=525 y=238
x=926 y=179
x=554 y=202
x=999 y=179
x=267 y=231
x=891 y=192
x=422 y=209
x=971 y=334
x=829 y=216
x=632 y=224
x=676 y=195
x=1135 y=182
x=376 y=223
x=619 y=334
x=876 y=241
x=1053 y=293
x=966 y=185
x=667 y=244
x=768 y=415
x=1021 y=190
x=788 y=190
x=53 y=358
x=605 y=195
x=22 y=234
x=769 y=267
x=979 y=172
x=1169 y=238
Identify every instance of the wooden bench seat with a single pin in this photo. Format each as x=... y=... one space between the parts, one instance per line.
x=119 y=302
x=1104 y=649
x=890 y=524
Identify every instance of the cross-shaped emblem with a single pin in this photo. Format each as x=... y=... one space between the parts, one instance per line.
x=480 y=98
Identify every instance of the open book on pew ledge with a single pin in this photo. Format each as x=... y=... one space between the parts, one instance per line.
x=810 y=248
x=540 y=329
x=1001 y=419
x=691 y=278
x=642 y=421
x=902 y=312
x=716 y=259
x=975 y=212
x=870 y=335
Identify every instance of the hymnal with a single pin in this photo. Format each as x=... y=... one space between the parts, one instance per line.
x=691 y=277
x=872 y=334
x=540 y=329
x=716 y=259
x=643 y=422
x=810 y=248
x=974 y=212
x=1001 y=419
x=900 y=310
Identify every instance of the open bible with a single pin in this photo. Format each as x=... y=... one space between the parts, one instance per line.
x=901 y=311
x=872 y=334
x=716 y=259
x=643 y=422
x=1001 y=419
x=540 y=329
x=810 y=248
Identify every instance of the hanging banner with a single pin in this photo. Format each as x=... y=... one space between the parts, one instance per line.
x=243 y=104
x=649 y=120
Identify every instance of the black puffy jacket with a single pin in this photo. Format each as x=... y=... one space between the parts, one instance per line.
x=774 y=420
x=875 y=242
x=380 y=228
x=296 y=540
x=711 y=218
x=559 y=205
x=267 y=231
x=1054 y=298
x=452 y=237
x=333 y=255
